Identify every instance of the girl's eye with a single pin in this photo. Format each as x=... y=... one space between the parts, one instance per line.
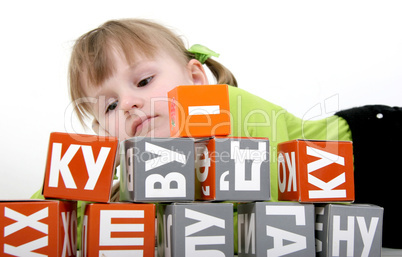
x=111 y=107
x=145 y=82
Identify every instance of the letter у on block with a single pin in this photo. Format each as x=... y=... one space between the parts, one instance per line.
x=80 y=167
x=157 y=169
x=118 y=229
x=38 y=228
x=199 y=111
x=232 y=169
x=195 y=229
x=315 y=171
x=348 y=230
x=275 y=229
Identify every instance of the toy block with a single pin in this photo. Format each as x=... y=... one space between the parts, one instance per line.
x=118 y=229
x=315 y=171
x=232 y=169
x=348 y=230
x=38 y=228
x=195 y=229
x=80 y=167
x=275 y=229
x=157 y=170
x=199 y=111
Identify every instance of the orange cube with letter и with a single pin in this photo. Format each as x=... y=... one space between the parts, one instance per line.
x=315 y=171
x=80 y=167
x=118 y=229
x=199 y=111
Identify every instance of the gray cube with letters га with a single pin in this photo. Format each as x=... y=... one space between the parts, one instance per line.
x=157 y=169
x=275 y=229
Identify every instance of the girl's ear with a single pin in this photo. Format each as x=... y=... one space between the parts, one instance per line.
x=197 y=72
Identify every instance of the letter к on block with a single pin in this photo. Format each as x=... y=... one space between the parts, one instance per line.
x=80 y=167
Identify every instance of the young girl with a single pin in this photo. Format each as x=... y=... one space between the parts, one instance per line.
x=120 y=74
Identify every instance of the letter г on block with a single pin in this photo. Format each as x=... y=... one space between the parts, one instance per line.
x=118 y=229
x=232 y=169
x=80 y=167
x=315 y=171
x=38 y=228
x=157 y=169
x=199 y=111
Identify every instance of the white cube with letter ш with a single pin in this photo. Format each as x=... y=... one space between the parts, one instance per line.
x=195 y=229
x=157 y=169
x=348 y=230
x=232 y=169
x=275 y=229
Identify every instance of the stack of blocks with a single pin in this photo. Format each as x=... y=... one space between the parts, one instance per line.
x=189 y=182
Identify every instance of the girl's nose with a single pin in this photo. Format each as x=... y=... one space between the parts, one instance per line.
x=129 y=102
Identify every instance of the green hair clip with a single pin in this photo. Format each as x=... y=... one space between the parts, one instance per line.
x=202 y=53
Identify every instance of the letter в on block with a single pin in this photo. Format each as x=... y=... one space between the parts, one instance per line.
x=38 y=228
x=118 y=229
x=199 y=111
x=316 y=171
x=157 y=169
x=80 y=167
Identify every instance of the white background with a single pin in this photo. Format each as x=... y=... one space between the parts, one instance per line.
x=293 y=53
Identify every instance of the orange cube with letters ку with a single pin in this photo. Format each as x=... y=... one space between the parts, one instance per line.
x=199 y=111
x=80 y=167
x=118 y=229
x=315 y=171
x=38 y=228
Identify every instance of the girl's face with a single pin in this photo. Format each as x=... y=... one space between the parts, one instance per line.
x=133 y=102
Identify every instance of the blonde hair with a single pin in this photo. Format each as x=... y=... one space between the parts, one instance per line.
x=91 y=62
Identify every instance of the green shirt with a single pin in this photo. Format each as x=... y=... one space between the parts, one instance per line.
x=252 y=116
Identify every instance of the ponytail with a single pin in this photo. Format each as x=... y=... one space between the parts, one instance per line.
x=222 y=74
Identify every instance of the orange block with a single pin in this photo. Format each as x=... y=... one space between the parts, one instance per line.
x=199 y=111
x=315 y=171
x=35 y=227
x=118 y=229
x=80 y=167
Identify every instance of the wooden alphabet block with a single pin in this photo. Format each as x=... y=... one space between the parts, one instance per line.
x=195 y=229
x=157 y=170
x=229 y=168
x=80 y=167
x=348 y=230
x=275 y=229
x=38 y=228
x=199 y=111
x=315 y=171
x=118 y=229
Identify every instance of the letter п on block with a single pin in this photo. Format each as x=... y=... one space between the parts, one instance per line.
x=195 y=229
x=275 y=229
x=348 y=230
x=38 y=228
x=199 y=111
x=232 y=169
x=315 y=171
x=80 y=167
x=118 y=229
x=157 y=169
